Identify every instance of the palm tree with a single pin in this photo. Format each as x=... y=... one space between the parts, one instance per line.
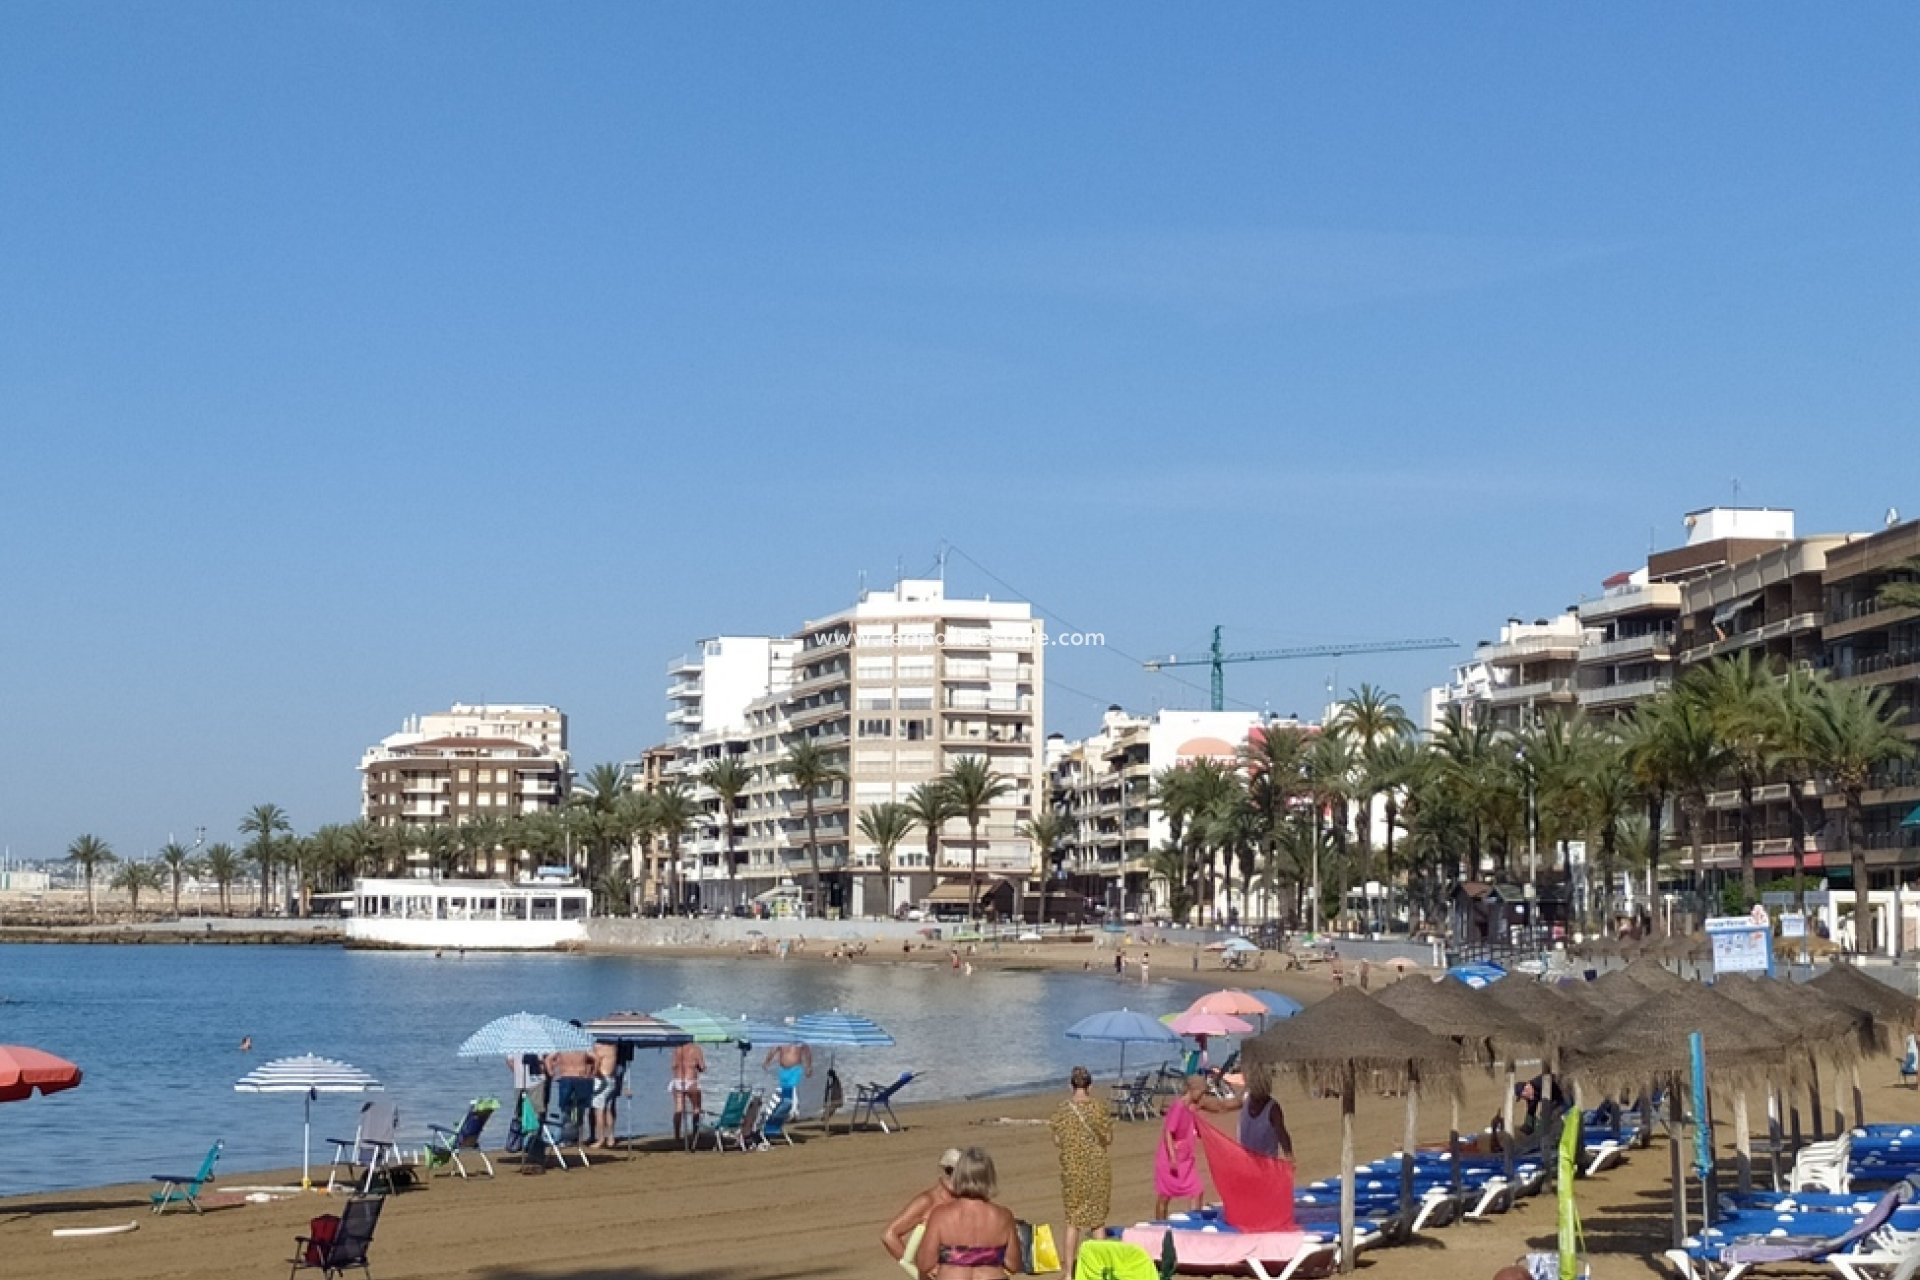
x=178 y=861
x=674 y=813
x=1045 y=830
x=90 y=853
x=135 y=876
x=1369 y=716
x=809 y=769
x=1605 y=798
x=633 y=820
x=930 y=806
x=1794 y=710
x=264 y=822
x=974 y=785
x=886 y=825
x=223 y=866
x=1853 y=735
x=727 y=777
x=1330 y=766
x=1736 y=692
x=1902 y=593
x=1233 y=831
x=1694 y=759
x=1274 y=759
x=598 y=798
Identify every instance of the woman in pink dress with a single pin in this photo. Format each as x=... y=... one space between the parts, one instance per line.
x=1176 y=1167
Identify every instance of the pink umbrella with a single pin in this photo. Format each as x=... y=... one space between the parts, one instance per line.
x=1232 y=1002
x=1210 y=1024
x=24 y=1071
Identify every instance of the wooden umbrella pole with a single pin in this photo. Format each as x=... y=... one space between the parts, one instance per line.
x=1408 y=1143
x=1859 y=1103
x=1742 y=1145
x=1346 y=1168
x=1453 y=1140
x=1506 y=1107
x=1773 y=1135
x=1813 y=1099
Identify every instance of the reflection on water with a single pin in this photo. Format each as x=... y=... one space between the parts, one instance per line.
x=158 y=1030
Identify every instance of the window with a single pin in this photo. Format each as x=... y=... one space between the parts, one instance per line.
x=916 y=730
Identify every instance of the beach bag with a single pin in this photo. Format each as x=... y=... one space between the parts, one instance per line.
x=1046 y=1257
x=516 y=1136
x=1024 y=1231
x=320 y=1234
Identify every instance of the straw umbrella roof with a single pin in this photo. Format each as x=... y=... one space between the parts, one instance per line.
x=1350 y=1031
x=1609 y=995
x=1831 y=1028
x=1555 y=1018
x=1654 y=976
x=1450 y=1008
x=1650 y=1042
x=1897 y=1012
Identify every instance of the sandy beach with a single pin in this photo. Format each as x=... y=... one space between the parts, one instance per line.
x=813 y=1210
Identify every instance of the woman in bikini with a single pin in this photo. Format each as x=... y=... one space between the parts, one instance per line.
x=970 y=1237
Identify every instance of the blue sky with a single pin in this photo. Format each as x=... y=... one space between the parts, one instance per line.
x=360 y=358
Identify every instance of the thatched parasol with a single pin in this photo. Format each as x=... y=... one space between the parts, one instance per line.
x=1330 y=1045
x=1609 y=995
x=1484 y=1030
x=1896 y=1012
x=1826 y=1030
x=1654 y=976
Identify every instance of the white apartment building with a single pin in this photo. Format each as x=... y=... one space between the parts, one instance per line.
x=467 y=764
x=894 y=689
x=1469 y=689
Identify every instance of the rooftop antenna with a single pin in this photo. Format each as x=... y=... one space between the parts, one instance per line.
x=940 y=560
x=1893 y=516
x=1736 y=491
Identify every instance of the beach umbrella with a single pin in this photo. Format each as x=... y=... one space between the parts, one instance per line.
x=1478 y=974
x=1278 y=1006
x=641 y=1030
x=24 y=1072
x=311 y=1076
x=748 y=1032
x=837 y=1030
x=1232 y=1001
x=1189 y=1023
x=1122 y=1027
x=518 y=1034
x=704 y=1027
x=1333 y=1045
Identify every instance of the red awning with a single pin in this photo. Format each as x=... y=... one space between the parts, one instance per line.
x=1784 y=861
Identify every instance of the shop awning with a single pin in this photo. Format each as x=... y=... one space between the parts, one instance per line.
x=1734 y=608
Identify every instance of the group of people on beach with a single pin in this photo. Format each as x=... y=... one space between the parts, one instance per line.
x=954 y=1231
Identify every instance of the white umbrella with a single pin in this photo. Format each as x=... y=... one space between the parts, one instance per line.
x=311 y=1076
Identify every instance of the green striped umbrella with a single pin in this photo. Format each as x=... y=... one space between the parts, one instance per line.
x=704 y=1027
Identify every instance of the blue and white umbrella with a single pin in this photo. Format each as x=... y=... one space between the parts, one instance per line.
x=1122 y=1027
x=311 y=1076
x=749 y=1032
x=1278 y=1006
x=1478 y=975
x=524 y=1033
x=836 y=1030
x=641 y=1030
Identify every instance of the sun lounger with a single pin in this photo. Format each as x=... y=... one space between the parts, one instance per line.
x=185 y=1188
x=338 y=1245
x=1268 y=1255
x=1793 y=1238
x=876 y=1098
x=1114 y=1260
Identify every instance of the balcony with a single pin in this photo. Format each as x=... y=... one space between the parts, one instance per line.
x=961 y=702
x=1559 y=689
x=425 y=787
x=1626 y=691
x=1528 y=649
x=688 y=716
x=687 y=664
x=1656 y=645
x=1643 y=597
x=424 y=810
x=538 y=787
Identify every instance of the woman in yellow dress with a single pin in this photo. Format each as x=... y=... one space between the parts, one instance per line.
x=1083 y=1132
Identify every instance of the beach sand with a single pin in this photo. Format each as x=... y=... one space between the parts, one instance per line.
x=813 y=1210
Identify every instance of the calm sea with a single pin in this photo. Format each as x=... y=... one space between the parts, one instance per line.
x=158 y=1029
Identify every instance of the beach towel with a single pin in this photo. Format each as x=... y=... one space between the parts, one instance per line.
x=1256 y=1192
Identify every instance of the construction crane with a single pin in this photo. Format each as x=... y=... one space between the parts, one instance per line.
x=1217 y=659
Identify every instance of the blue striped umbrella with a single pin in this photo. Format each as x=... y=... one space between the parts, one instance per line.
x=523 y=1033
x=750 y=1032
x=1278 y=1006
x=311 y=1076
x=838 y=1030
x=642 y=1030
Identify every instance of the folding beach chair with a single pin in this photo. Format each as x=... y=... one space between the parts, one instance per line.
x=876 y=1098
x=1134 y=1100
x=445 y=1145
x=544 y=1139
x=338 y=1245
x=773 y=1125
x=186 y=1187
x=371 y=1148
x=729 y=1125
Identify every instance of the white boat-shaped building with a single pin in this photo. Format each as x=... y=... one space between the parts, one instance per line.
x=480 y=915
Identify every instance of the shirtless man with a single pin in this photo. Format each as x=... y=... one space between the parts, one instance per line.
x=572 y=1076
x=796 y=1064
x=606 y=1087
x=688 y=1063
x=901 y=1237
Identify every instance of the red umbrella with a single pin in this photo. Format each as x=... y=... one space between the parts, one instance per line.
x=23 y=1070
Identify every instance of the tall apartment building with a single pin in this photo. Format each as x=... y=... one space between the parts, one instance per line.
x=446 y=769
x=1870 y=644
x=894 y=690
x=1633 y=626
x=1531 y=669
x=1102 y=786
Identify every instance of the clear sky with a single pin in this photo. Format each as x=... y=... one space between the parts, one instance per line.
x=359 y=358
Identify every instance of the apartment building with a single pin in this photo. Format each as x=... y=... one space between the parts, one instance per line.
x=894 y=690
x=1531 y=670
x=1102 y=786
x=466 y=764
x=1870 y=644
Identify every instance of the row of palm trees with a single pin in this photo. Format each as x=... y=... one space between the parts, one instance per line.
x=1295 y=810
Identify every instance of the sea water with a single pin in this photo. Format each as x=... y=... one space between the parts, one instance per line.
x=158 y=1030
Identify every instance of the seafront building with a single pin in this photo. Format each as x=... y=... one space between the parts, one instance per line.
x=893 y=690
x=466 y=764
